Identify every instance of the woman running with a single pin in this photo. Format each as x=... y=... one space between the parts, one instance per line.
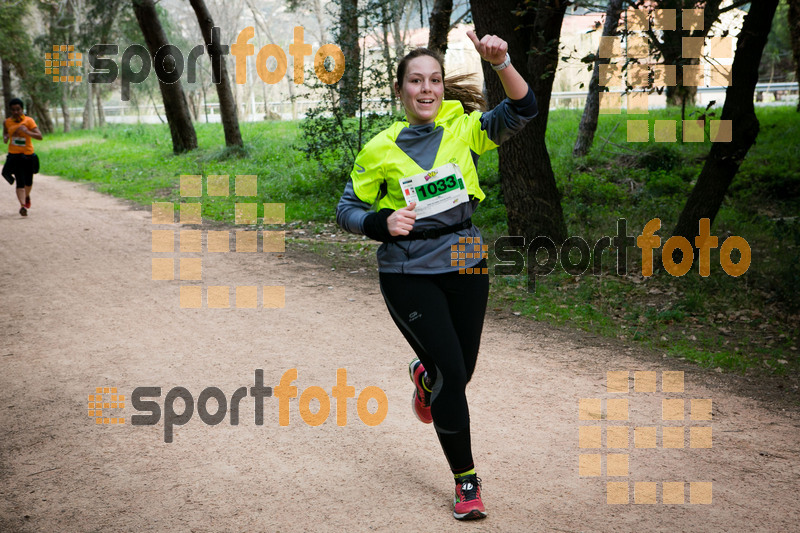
x=422 y=173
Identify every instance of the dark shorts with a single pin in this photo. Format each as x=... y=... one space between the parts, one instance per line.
x=22 y=168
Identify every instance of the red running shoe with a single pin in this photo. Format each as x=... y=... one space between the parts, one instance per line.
x=421 y=399
x=467 y=502
x=28 y=202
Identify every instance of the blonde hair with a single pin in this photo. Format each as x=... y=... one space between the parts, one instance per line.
x=455 y=87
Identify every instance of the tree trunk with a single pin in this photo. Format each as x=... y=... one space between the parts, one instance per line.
x=175 y=106
x=42 y=114
x=7 y=93
x=65 y=108
x=532 y=200
x=591 y=110
x=348 y=41
x=672 y=50
x=88 y=111
x=101 y=116
x=227 y=108
x=387 y=14
x=439 y=24
x=794 y=32
x=725 y=157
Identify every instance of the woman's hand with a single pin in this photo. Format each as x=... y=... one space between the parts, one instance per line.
x=491 y=48
x=494 y=49
x=402 y=221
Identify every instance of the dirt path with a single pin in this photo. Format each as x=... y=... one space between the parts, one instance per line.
x=79 y=310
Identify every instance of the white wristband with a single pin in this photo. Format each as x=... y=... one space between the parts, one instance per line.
x=504 y=64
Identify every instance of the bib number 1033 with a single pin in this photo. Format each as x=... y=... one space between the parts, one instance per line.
x=440 y=186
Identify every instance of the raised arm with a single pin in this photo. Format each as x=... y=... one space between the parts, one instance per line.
x=494 y=49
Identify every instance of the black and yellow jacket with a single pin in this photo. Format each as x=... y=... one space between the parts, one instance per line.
x=404 y=150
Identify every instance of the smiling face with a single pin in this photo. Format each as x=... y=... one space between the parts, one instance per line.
x=422 y=90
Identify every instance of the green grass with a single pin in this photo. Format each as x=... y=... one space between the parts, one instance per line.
x=731 y=323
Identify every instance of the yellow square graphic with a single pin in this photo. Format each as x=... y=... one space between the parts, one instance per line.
x=638 y=75
x=672 y=437
x=693 y=19
x=700 y=437
x=246 y=185
x=191 y=268
x=219 y=297
x=610 y=47
x=274 y=297
x=274 y=213
x=644 y=492
x=700 y=492
x=645 y=381
x=693 y=75
x=616 y=492
x=610 y=103
x=693 y=131
x=589 y=437
x=617 y=437
x=664 y=19
x=720 y=76
x=218 y=241
x=190 y=213
x=589 y=464
x=191 y=297
x=720 y=131
x=617 y=409
x=610 y=76
x=274 y=241
x=664 y=131
x=638 y=131
x=644 y=437
x=672 y=381
x=617 y=464
x=720 y=47
x=671 y=409
x=246 y=297
x=701 y=409
x=191 y=185
x=590 y=409
x=617 y=381
x=163 y=213
x=637 y=20
x=217 y=185
x=246 y=241
x=163 y=240
x=692 y=47
x=191 y=240
x=246 y=213
x=672 y=492
x=638 y=46
x=638 y=104
x=163 y=268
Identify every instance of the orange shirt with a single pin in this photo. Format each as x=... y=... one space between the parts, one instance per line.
x=19 y=144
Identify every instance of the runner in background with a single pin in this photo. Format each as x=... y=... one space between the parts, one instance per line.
x=423 y=175
x=21 y=163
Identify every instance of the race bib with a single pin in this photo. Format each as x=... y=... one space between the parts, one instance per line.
x=18 y=141
x=435 y=191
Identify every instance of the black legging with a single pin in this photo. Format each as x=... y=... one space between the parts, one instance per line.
x=441 y=317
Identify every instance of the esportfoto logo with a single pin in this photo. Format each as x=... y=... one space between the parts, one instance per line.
x=143 y=399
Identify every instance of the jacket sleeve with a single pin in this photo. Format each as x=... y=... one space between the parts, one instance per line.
x=353 y=212
x=506 y=119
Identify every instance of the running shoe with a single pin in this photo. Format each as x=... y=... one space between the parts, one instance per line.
x=23 y=211
x=421 y=399
x=28 y=202
x=467 y=502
